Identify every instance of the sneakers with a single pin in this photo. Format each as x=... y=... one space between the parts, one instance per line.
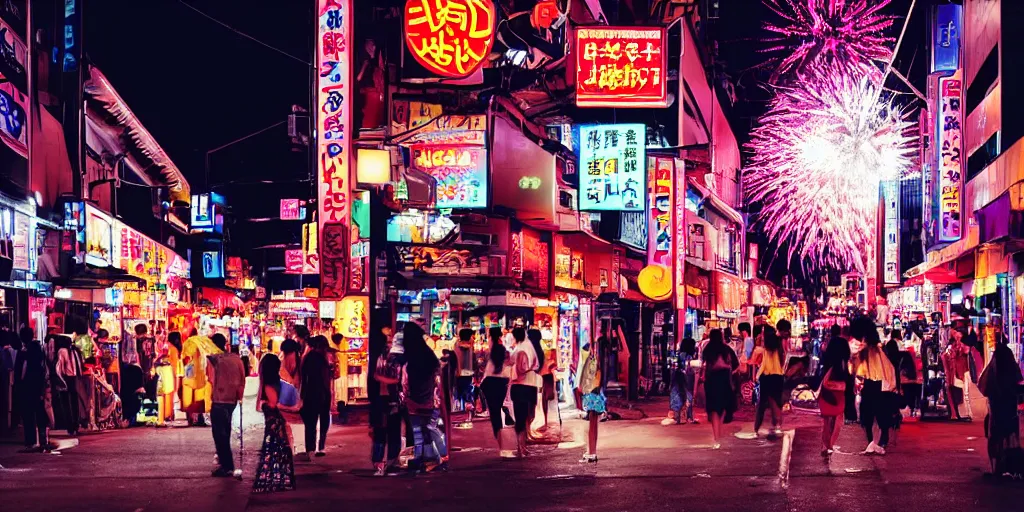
x=302 y=457
x=222 y=473
x=874 y=448
x=588 y=458
x=320 y=453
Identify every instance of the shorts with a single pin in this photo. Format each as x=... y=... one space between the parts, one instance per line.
x=595 y=402
x=548 y=390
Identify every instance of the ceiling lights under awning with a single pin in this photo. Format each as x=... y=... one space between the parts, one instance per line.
x=109 y=113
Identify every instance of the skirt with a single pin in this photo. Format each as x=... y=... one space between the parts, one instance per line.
x=548 y=389
x=595 y=402
x=719 y=395
x=831 y=403
x=276 y=469
x=771 y=388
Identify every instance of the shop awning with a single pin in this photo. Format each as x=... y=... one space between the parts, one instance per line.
x=109 y=115
x=92 y=277
x=932 y=269
x=717 y=203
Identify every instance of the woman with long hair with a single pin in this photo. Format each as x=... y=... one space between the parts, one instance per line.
x=835 y=362
x=591 y=389
x=682 y=383
x=276 y=469
x=525 y=385
x=494 y=386
x=535 y=337
x=879 y=376
x=1000 y=382
x=770 y=379
x=719 y=362
x=421 y=384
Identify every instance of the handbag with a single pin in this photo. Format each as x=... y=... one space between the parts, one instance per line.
x=386 y=372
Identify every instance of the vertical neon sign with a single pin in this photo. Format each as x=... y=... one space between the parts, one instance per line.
x=679 y=239
x=334 y=145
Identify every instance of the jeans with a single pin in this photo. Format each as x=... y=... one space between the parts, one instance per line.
x=220 y=423
x=494 y=389
x=524 y=401
x=310 y=416
x=428 y=440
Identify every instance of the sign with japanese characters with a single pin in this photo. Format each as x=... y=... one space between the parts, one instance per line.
x=460 y=171
x=290 y=209
x=660 y=188
x=450 y=38
x=891 y=232
x=334 y=141
x=679 y=237
x=614 y=167
x=950 y=145
x=621 y=67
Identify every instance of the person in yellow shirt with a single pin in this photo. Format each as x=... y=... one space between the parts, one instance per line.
x=196 y=389
x=770 y=377
x=871 y=365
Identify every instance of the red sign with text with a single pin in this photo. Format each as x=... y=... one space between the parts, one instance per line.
x=450 y=38
x=621 y=67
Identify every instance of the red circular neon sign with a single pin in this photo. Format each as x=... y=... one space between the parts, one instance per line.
x=450 y=38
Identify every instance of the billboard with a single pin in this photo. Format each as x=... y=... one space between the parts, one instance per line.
x=334 y=141
x=946 y=30
x=614 y=167
x=621 y=67
x=950 y=146
x=891 y=232
x=450 y=38
x=660 y=231
x=98 y=238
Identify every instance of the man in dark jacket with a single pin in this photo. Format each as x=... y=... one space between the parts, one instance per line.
x=315 y=391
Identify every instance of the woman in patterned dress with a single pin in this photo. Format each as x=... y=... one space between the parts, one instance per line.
x=276 y=470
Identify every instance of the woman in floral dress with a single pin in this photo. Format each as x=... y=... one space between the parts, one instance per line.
x=276 y=470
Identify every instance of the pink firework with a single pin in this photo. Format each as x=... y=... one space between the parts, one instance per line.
x=846 y=34
x=819 y=156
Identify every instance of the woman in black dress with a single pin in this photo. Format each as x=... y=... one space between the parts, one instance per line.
x=276 y=469
x=719 y=363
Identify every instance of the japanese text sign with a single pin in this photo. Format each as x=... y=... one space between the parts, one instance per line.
x=660 y=231
x=614 y=165
x=290 y=209
x=949 y=145
x=450 y=38
x=460 y=171
x=891 y=232
x=621 y=67
x=334 y=141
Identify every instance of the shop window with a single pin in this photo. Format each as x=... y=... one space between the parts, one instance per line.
x=983 y=81
x=983 y=156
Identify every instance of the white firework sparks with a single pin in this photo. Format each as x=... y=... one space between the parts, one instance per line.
x=819 y=155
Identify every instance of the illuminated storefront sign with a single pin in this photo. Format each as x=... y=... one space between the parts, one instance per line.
x=334 y=142
x=621 y=67
x=891 y=232
x=450 y=38
x=946 y=37
x=633 y=229
x=655 y=281
x=14 y=103
x=353 y=320
x=291 y=209
x=660 y=229
x=679 y=238
x=949 y=145
x=614 y=166
x=98 y=238
x=461 y=173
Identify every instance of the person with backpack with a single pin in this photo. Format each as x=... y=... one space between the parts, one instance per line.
x=719 y=364
x=421 y=388
x=525 y=386
x=69 y=368
x=497 y=375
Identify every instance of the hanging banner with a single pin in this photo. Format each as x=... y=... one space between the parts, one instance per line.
x=949 y=145
x=98 y=243
x=334 y=141
x=450 y=38
x=679 y=238
x=621 y=67
x=614 y=167
x=13 y=80
x=660 y=187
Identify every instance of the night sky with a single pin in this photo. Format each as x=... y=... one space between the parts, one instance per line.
x=197 y=85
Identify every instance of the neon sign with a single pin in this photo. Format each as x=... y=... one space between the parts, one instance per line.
x=460 y=171
x=450 y=38
x=950 y=119
x=334 y=145
x=621 y=67
x=614 y=167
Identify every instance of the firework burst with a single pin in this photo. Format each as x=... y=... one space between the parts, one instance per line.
x=844 y=34
x=819 y=156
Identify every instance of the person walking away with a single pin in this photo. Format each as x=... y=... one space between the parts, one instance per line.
x=535 y=338
x=911 y=377
x=746 y=341
x=421 y=387
x=385 y=413
x=894 y=398
x=1000 y=382
x=145 y=346
x=497 y=375
x=69 y=368
x=110 y=358
x=195 y=402
x=591 y=388
x=770 y=377
x=34 y=389
x=879 y=376
x=955 y=362
x=275 y=470
x=525 y=385
x=835 y=362
x=464 y=378
x=719 y=363
x=315 y=392
x=682 y=383
x=227 y=376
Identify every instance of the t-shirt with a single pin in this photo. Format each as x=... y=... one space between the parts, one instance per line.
x=464 y=352
x=531 y=377
x=229 y=378
x=771 y=363
x=316 y=380
x=85 y=346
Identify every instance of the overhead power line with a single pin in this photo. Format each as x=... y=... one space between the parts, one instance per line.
x=243 y=34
